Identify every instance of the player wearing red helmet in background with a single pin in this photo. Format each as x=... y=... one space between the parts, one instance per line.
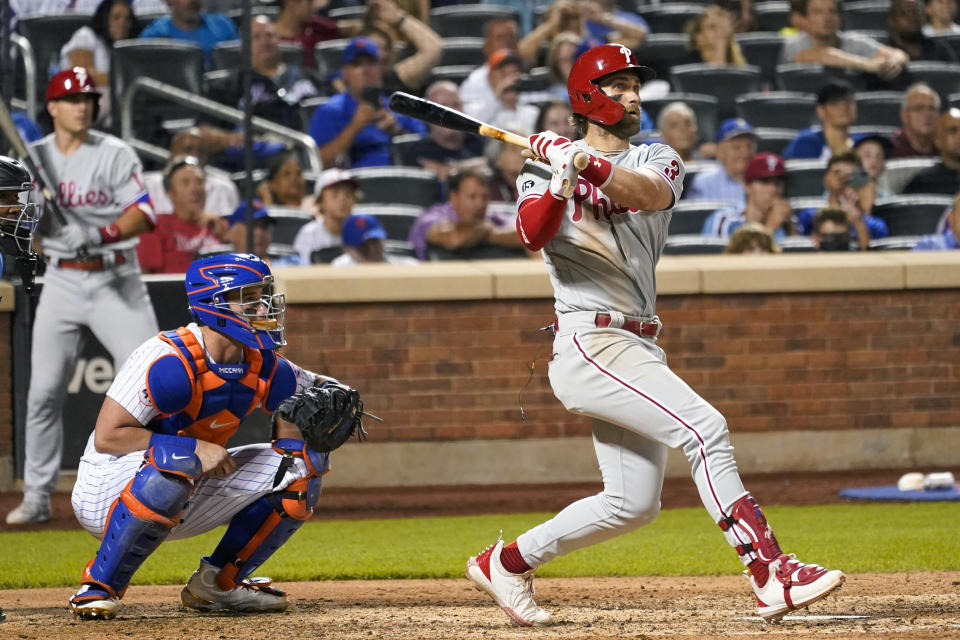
x=602 y=233
x=92 y=281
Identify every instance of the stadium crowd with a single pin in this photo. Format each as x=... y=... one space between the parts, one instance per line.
x=808 y=126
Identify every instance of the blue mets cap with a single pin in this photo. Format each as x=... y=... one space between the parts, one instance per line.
x=240 y=213
x=733 y=127
x=360 y=46
x=361 y=227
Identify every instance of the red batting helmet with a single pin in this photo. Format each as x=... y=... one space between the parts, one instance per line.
x=69 y=82
x=588 y=70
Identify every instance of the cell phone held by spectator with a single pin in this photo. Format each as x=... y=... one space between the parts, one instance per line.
x=372 y=96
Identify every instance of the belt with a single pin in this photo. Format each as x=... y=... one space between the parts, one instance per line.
x=97 y=262
x=643 y=328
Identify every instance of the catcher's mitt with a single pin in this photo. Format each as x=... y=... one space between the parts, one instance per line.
x=326 y=415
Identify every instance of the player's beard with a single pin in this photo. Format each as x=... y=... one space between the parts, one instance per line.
x=626 y=128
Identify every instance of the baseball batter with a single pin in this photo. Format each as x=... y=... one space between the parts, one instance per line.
x=602 y=233
x=92 y=279
x=155 y=466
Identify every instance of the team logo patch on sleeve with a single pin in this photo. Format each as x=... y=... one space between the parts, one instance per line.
x=145 y=397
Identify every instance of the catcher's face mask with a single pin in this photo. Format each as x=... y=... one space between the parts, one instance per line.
x=258 y=307
x=18 y=220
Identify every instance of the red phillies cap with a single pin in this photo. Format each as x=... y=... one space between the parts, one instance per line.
x=765 y=165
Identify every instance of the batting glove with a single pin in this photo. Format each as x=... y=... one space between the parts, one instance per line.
x=557 y=150
x=74 y=236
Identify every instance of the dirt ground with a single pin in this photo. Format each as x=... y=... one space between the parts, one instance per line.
x=913 y=606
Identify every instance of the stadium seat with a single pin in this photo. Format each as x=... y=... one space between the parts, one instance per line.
x=456 y=73
x=894 y=243
x=288 y=221
x=182 y=67
x=400 y=185
x=691 y=169
x=866 y=15
x=325 y=255
x=660 y=50
x=762 y=50
x=880 y=35
x=771 y=16
x=808 y=78
x=227 y=55
x=328 y=55
x=900 y=171
x=460 y=51
x=704 y=106
x=913 y=215
x=952 y=40
x=357 y=12
x=47 y=33
x=689 y=215
x=467 y=20
x=778 y=109
x=879 y=108
x=724 y=83
x=774 y=140
x=399 y=248
x=796 y=244
x=943 y=77
x=395 y=219
x=256 y=9
x=671 y=17
x=307 y=107
x=482 y=252
x=399 y=146
x=693 y=244
x=804 y=178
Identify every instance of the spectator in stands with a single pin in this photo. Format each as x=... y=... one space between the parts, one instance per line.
x=736 y=145
x=284 y=185
x=940 y=17
x=499 y=33
x=462 y=224
x=275 y=87
x=836 y=110
x=600 y=20
x=712 y=39
x=336 y=194
x=918 y=119
x=560 y=57
x=555 y=116
x=222 y=196
x=942 y=177
x=797 y=19
x=752 y=238
x=298 y=23
x=848 y=189
x=444 y=149
x=873 y=151
x=502 y=104
x=90 y=45
x=906 y=33
x=505 y=161
x=187 y=21
x=29 y=130
x=678 y=128
x=26 y=8
x=385 y=23
x=363 y=237
x=356 y=124
x=262 y=230
x=741 y=11
x=948 y=238
x=177 y=237
x=830 y=230
x=764 y=177
x=822 y=42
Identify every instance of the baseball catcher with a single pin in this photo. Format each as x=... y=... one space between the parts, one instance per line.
x=327 y=416
x=18 y=219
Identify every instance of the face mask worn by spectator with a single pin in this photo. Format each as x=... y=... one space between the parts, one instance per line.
x=835 y=241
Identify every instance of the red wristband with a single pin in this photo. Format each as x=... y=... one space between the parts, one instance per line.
x=110 y=233
x=598 y=171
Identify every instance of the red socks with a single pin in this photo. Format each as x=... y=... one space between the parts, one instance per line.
x=760 y=572
x=511 y=559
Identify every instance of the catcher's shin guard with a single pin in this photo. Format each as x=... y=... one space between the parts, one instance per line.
x=747 y=531
x=261 y=528
x=142 y=517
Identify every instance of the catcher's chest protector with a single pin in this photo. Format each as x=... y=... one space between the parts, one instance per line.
x=219 y=400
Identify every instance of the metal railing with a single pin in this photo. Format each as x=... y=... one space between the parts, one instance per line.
x=29 y=104
x=210 y=107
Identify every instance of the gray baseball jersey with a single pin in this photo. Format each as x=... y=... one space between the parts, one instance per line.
x=93 y=185
x=604 y=256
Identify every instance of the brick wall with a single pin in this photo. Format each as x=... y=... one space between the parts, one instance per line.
x=453 y=370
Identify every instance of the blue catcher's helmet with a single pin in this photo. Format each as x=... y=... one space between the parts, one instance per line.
x=217 y=283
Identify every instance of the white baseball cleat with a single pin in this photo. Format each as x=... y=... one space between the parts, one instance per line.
x=512 y=592
x=93 y=602
x=29 y=512
x=792 y=585
x=256 y=594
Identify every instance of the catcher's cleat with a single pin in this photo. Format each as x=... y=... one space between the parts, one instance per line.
x=93 y=602
x=203 y=594
x=792 y=585
x=512 y=592
x=30 y=513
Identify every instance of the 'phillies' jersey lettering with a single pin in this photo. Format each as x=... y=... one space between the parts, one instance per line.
x=599 y=203
x=70 y=194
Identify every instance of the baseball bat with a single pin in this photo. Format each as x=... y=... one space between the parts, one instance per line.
x=433 y=113
x=13 y=135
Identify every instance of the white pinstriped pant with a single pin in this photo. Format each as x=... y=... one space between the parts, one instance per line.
x=214 y=501
x=639 y=409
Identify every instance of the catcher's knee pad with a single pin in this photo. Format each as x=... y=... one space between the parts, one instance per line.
x=746 y=529
x=261 y=528
x=143 y=515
